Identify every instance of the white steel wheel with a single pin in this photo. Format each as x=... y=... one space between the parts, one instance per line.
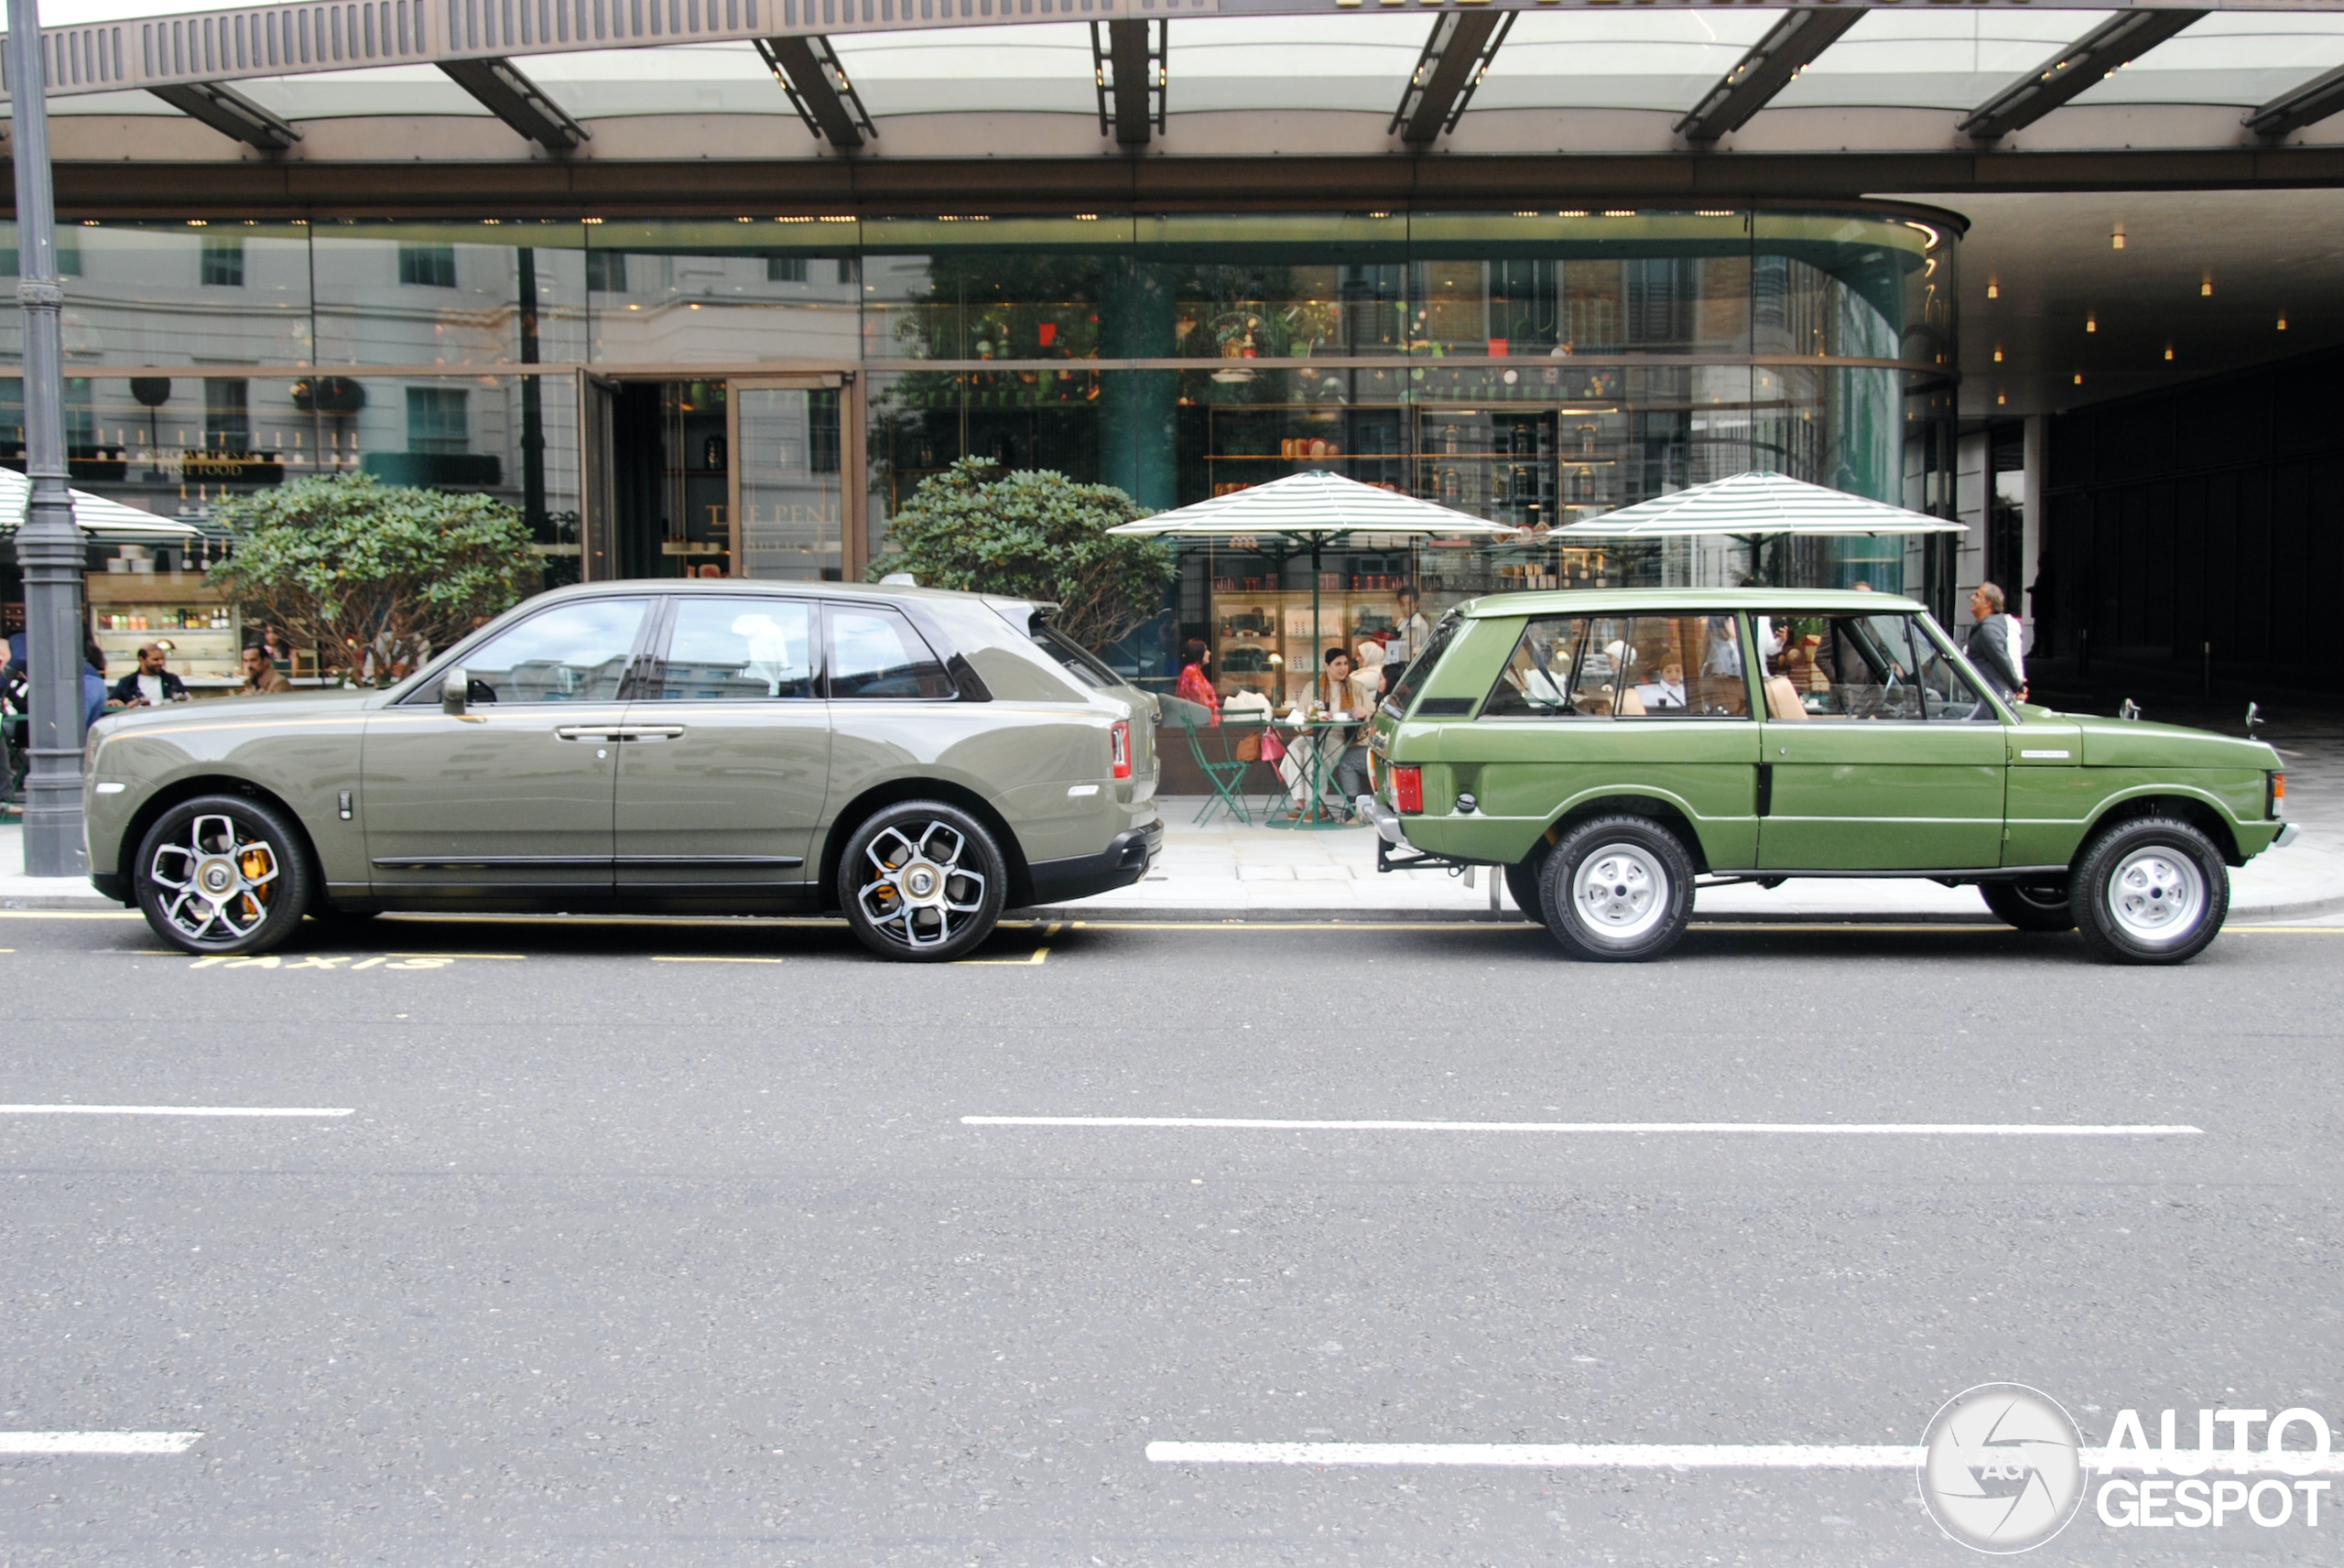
x=1620 y=892
x=1617 y=888
x=222 y=875
x=922 y=881
x=2156 y=895
x=2149 y=890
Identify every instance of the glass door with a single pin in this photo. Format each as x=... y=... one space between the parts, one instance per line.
x=788 y=491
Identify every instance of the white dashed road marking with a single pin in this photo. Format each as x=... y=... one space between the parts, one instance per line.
x=1810 y=1129
x=103 y=1443
x=169 y=1111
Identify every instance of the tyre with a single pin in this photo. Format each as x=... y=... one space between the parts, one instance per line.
x=1522 y=881
x=1617 y=888
x=223 y=874
x=2030 y=906
x=2149 y=890
x=922 y=881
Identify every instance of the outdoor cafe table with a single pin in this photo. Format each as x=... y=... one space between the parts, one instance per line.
x=1308 y=742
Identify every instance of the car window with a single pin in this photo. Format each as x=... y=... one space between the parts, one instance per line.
x=737 y=650
x=573 y=652
x=1623 y=666
x=1841 y=667
x=1412 y=678
x=1079 y=662
x=874 y=652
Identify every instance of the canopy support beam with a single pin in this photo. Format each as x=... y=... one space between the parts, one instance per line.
x=513 y=98
x=1788 y=47
x=1456 y=55
x=1127 y=61
x=2115 y=42
x=808 y=71
x=229 y=112
x=2307 y=105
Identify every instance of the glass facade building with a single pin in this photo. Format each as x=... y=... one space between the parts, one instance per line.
x=758 y=396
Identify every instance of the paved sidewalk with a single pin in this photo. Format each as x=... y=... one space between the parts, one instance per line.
x=1222 y=872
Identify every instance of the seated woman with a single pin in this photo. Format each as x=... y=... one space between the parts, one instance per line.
x=1196 y=686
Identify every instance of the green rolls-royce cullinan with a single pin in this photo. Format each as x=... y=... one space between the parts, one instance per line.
x=917 y=759
x=1608 y=748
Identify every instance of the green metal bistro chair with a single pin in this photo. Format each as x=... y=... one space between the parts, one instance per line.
x=1226 y=776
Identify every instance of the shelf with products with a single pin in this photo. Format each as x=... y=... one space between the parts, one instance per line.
x=1272 y=640
x=130 y=609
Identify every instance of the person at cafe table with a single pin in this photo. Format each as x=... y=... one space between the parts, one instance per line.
x=149 y=685
x=1331 y=700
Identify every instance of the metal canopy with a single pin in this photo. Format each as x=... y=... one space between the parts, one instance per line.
x=513 y=98
x=1315 y=505
x=229 y=112
x=1456 y=57
x=1765 y=71
x=1755 y=505
x=1127 y=63
x=808 y=71
x=2081 y=65
x=2307 y=105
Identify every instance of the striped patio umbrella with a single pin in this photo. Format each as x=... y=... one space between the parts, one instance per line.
x=1757 y=505
x=1314 y=506
x=108 y=521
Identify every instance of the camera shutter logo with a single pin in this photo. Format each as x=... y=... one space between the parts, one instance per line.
x=2001 y=1467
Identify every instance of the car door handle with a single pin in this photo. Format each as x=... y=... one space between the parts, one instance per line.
x=650 y=732
x=588 y=731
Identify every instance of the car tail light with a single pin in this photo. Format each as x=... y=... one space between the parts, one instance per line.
x=2278 y=796
x=1119 y=747
x=1408 y=789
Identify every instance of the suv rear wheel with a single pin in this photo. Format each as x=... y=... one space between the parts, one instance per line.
x=922 y=881
x=2030 y=906
x=1617 y=888
x=2149 y=890
x=222 y=875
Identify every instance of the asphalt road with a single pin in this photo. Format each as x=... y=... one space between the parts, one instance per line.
x=667 y=1245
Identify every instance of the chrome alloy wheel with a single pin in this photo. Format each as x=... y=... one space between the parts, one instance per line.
x=2156 y=895
x=1620 y=892
x=916 y=891
x=217 y=884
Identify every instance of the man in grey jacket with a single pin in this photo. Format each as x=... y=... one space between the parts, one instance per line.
x=1994 y=643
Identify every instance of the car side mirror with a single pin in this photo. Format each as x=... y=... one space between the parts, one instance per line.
x=452 y=692
x=2253 y=718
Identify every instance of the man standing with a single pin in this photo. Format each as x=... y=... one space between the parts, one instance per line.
x=1413 y=632
x=1993 y=646
x=149 y=685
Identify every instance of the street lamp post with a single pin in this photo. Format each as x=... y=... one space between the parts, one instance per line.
x=50 y=548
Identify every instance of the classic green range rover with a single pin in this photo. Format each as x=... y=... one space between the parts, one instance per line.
x=1609 y=748
x=917 y=760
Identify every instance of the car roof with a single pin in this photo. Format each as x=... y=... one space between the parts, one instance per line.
x=1713 y=601
x=734 y=586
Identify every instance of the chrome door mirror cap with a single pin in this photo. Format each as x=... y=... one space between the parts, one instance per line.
x=453 y=690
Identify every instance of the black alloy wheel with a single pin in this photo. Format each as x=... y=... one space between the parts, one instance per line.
x=223 y=874
x=2151 y=890
x=922 y=881
x=1617 y=888
x=2030 y=906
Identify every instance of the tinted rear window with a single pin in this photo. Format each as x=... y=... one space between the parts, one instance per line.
x=1080 y=663
x=1420 y=668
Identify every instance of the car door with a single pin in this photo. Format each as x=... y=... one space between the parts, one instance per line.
x=1877 y=754
x=727 y=752
x=514 y=794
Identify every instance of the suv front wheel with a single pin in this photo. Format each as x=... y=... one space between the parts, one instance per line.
x=2149 y=890
x=221 y=873
x=1617 y=888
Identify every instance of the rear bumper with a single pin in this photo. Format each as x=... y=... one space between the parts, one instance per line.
x=1124 y=860
x=1385 y=820
x=2287 y=836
